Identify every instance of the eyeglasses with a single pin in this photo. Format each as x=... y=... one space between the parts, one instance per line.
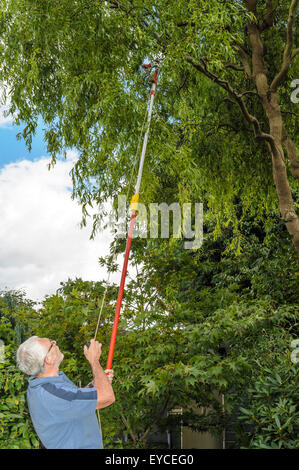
x=52 y=344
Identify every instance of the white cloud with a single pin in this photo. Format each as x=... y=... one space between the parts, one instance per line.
x=41 y=243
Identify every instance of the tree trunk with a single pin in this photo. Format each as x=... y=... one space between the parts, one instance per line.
x=269 y=99
x=257 y=72
x=286 y=203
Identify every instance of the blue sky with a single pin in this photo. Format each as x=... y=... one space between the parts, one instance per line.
x=13 y=150
x=41 y=242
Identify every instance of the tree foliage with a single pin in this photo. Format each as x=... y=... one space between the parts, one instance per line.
x=16 y=430
x=194 y=327
x=236 y=318
x=223 y=123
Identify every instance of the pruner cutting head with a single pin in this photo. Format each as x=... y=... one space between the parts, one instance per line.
x=148 y=67
x=155 y=64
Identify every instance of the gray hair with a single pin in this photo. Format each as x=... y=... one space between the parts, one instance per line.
x=31 y=357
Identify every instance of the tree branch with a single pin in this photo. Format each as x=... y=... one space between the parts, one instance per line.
x=161 y=413
x=249 y=92
x=202 y=67
x=245 y=62
x=238 y=68
x=220 y=126
x=289 y=112
x=287 y=55
x=251 y=6
x=224 y=100
x=292 y=153
x=296 y=51
x=269 y=19
x=259 y=134
x=128 y=426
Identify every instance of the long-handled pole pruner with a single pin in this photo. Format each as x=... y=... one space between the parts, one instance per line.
x=133 y=208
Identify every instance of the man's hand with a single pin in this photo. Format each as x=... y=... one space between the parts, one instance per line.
x=93 y=353
x=110 y=374
x=101 y=380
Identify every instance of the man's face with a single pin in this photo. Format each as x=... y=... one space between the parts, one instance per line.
x=54 y=354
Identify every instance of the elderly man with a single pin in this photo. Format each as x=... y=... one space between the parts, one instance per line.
x=63 y=415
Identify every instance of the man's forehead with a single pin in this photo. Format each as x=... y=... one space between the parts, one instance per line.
x=44 y=341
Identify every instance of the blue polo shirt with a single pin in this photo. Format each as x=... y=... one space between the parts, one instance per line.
x=63 y=415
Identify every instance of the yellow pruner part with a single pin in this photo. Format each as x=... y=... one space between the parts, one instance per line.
x=134 y=202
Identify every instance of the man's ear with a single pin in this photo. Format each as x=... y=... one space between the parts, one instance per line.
x=49 y=361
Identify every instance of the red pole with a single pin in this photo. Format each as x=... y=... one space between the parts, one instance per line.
x=121 y=291
x=130 y=234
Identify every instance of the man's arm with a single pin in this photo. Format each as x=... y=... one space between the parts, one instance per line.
x=100 y=380
x=101 y=383
x=110 y=375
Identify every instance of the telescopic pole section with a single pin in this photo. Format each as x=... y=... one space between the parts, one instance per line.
x=131 y=229
x=153 y=91
x=121 y=291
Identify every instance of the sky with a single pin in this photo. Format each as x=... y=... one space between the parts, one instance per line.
x=41 y=243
